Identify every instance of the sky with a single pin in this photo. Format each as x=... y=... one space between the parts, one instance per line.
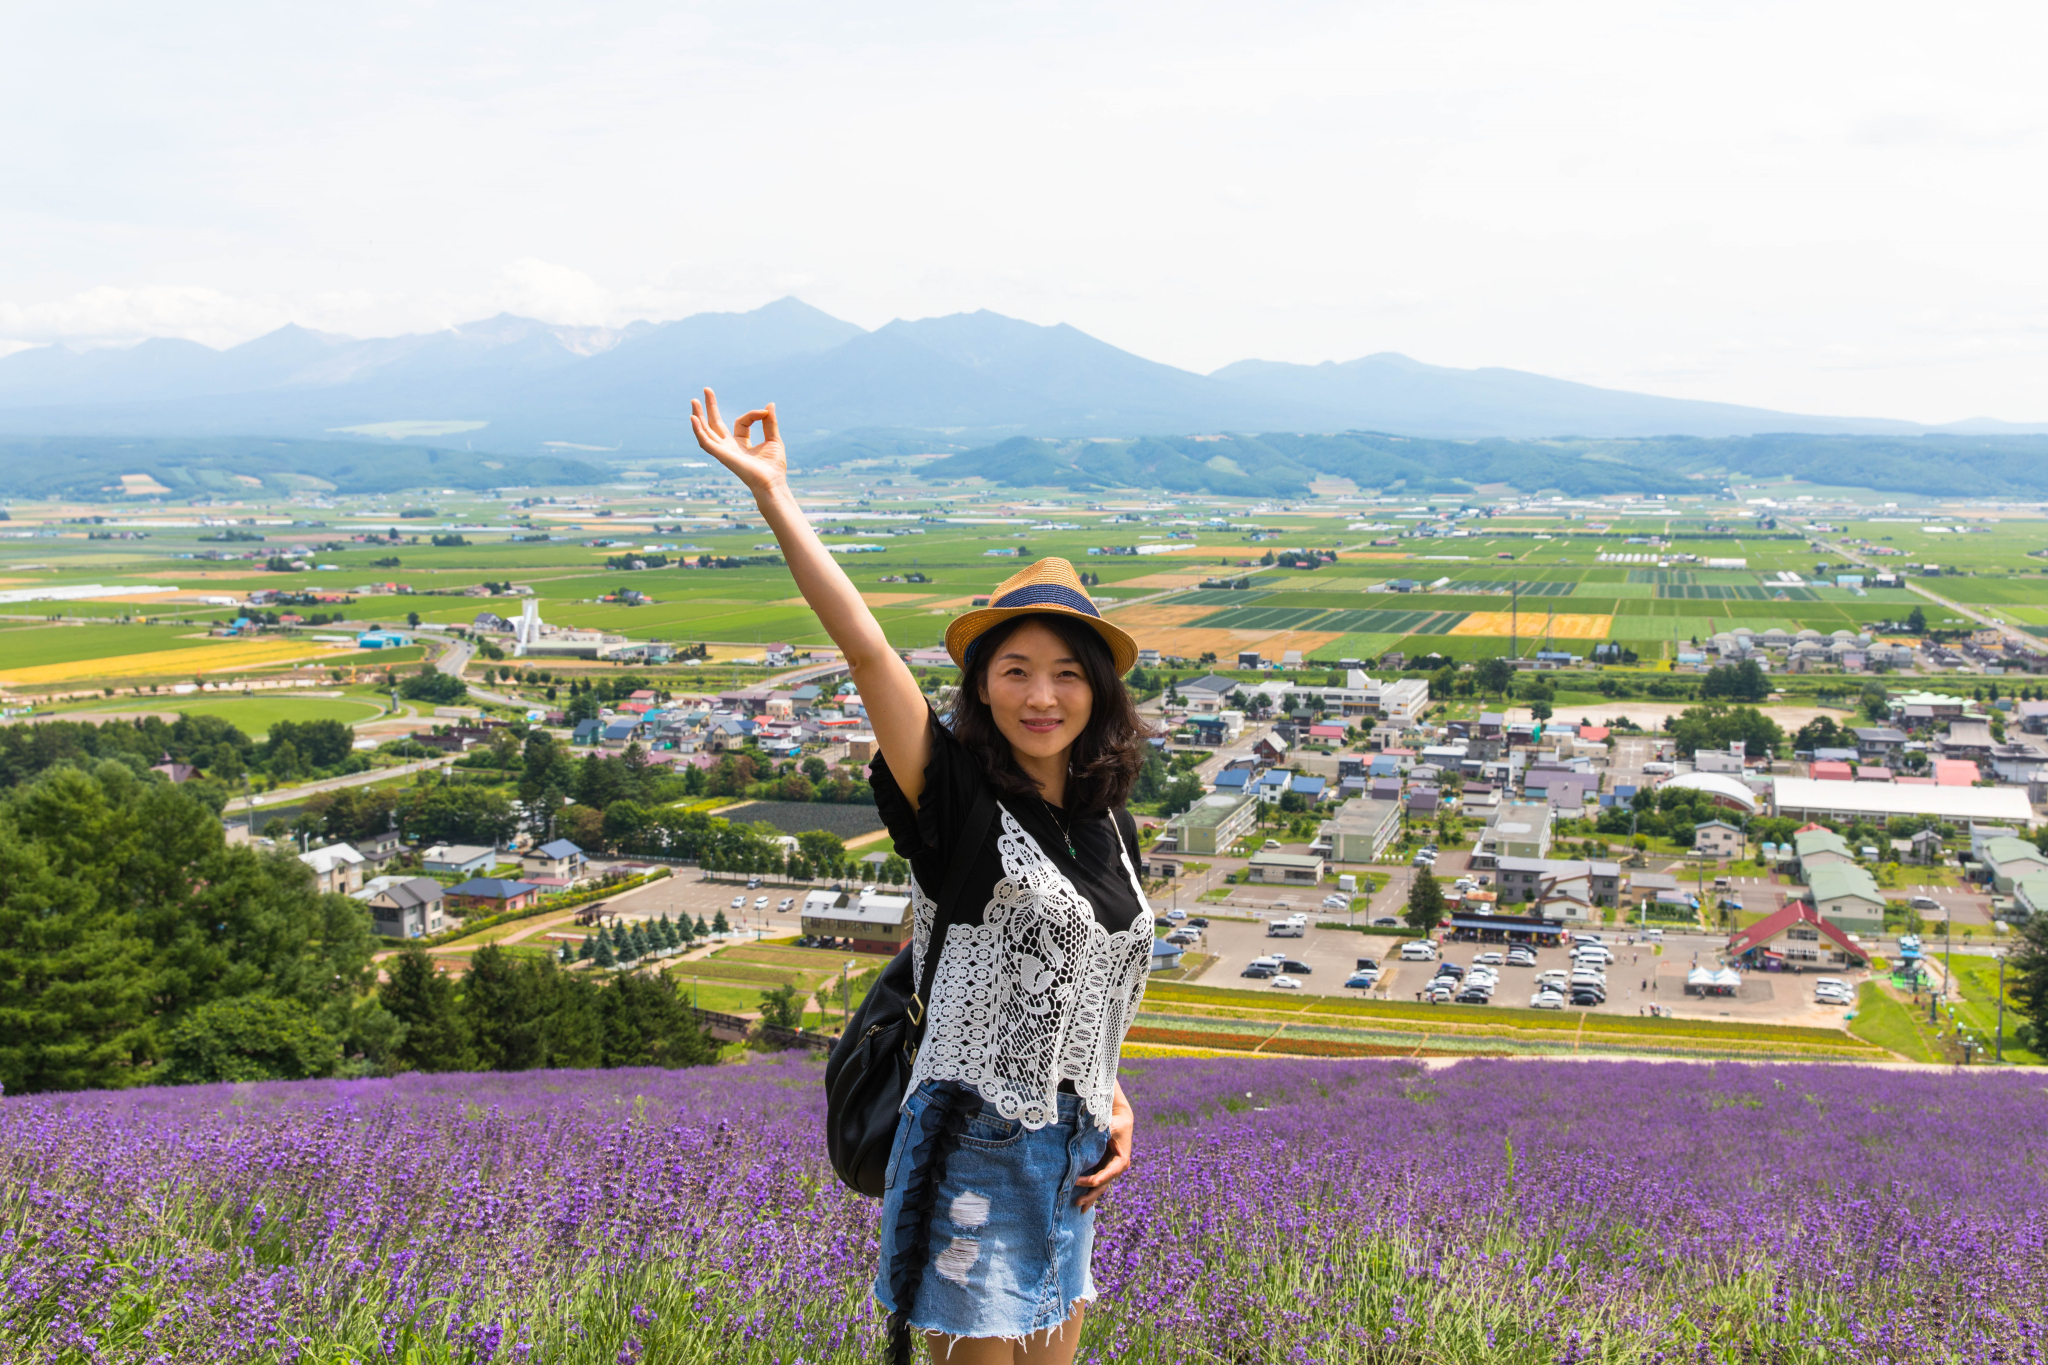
x=1819 y=207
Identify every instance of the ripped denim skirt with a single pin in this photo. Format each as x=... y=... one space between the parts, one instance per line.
x=1006 y=1250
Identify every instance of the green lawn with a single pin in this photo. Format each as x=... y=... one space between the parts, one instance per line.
x=255 y=715
x=1890 y=1024
x=26 y=646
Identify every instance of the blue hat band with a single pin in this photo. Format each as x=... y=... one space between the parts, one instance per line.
x=1035 y=595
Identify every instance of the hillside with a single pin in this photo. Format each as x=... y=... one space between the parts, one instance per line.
x=90 y=466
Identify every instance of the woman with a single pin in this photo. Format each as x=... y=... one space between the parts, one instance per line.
x=985 y=1242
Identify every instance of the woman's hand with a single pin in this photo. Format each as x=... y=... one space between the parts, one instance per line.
x=1117 y=1159
x=763 y=467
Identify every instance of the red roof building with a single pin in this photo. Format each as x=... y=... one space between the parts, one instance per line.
x=1795 y=938
x=1870 y=773
x=1594 y=734
x=1956 y=772
x=1829 y=770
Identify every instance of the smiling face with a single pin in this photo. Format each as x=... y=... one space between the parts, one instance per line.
x=1039 y=694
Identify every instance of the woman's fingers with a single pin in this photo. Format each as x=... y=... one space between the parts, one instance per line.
x=769 y=426
x=711 y=413
x=765 y=418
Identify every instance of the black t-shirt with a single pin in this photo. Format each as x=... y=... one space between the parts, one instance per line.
x=926 y=836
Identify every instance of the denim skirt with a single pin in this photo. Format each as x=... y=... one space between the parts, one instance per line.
x=1009 y=1251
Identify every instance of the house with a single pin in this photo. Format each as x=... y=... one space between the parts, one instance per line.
x=337 y=868
x=492 y=895
x=175 y=771
x=869 y=920
x=1879 y=744
x=1211 y=825
x=1271 y=748
x=458 y=859
x=1165 y=956
x=1650 y=886
x=404 y=907
x=2029 y=897
x=1360 y=831
x=1208 y=692
x=1272 y=867
x=1830 y=770
x=561 y=859
x=1965 y=739
x=619 y=732
x=379 y=849
x=1795 y=937
x=1847 y=897
x=1717 y=839
x=1271 y=785
x=1542 y=879
x=588 y=732
x=2006 y=860
x=1816 y=847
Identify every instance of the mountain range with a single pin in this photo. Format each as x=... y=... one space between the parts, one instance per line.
x=515 y=386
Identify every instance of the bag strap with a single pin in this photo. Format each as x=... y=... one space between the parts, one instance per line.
x=966 y=853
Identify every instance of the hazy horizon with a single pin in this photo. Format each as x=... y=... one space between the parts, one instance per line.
x=1821 y=209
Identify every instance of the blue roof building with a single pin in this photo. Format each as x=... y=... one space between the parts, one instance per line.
x=588 y=732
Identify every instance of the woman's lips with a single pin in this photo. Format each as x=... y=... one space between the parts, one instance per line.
x=1043 y=727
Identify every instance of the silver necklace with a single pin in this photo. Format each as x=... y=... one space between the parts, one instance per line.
x=1065 y=833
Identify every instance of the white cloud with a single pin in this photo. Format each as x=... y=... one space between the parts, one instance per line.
x=108 y=315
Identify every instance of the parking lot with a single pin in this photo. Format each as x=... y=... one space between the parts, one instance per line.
x=1639 y=977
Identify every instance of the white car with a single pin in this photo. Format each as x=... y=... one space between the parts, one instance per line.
x=1521 y=959
x=1830 y=983
x=784 y=904
x=1553 y=977
x=1285 y=983
x=738 y=903
x=760 y=902
x=1834 y=995
x=1488 y=960
x=1336 y=902
x=1176 y=915
x=1417 y=952
x=1546 y=1000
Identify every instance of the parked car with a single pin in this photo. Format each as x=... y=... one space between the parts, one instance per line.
x=1488 y=960
x=753 y=883
x=1472 y=998
x=1438 y=992
x=1546 y=1000
x=1299 y=968
x=1587 y=999
x=1161 y=922
x=1336 y=902
x=1385 y=921
x=1184 y=937
x=1286 y=983
x=1449 y=969
x=1198 y=922
x=1521 y=957
x=1417 y=952
x=1259 y=971
x=1176 y=915
x=1272 y=843
x=738 y=903
x=1924 y=903
x=760 y=902
x=1367 y=964
x=1361 y=981
x=784 y=904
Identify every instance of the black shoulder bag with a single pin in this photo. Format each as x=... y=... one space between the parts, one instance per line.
x=869 y=1070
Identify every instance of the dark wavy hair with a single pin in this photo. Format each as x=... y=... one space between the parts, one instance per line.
x=1104 y=761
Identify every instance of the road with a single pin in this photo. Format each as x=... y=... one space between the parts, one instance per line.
x=2029 y=643
x=285 y=796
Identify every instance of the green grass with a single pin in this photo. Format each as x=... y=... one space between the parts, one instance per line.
x=30 y=646
x=1890 y=1024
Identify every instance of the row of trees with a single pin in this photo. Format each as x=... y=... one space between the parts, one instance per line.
x=224 y=755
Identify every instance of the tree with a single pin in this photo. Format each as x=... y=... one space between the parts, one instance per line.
x=1494 y=675
x=1916 y=622
x=782 y=1007
x=646 y=1022
x=432 y=685
x=2027 y=972
x=1876 y=702
x=419 y=997
x=605 y=957
x=1736 y=682
x=1540 y=709
x=720 y=925
x=1426 y=908
x=703 y=929
x=587 y=949
x=1180 y=794
x=1821 y=733
x=249 y=1038
x=1716 y=725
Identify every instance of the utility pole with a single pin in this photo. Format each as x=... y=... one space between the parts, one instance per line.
x=2000 y=1055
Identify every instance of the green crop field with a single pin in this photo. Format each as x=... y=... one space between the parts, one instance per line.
x=28 y=646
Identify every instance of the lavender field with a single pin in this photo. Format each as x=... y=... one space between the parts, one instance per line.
x=1279 y=1210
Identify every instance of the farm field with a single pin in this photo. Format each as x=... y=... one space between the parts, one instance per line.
x=177 y=1224
x=209 y=658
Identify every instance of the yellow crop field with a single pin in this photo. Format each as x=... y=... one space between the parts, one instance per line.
x=228 y=654
x=1529 y=624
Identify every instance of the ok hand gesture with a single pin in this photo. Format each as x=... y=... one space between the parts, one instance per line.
x=762 y=467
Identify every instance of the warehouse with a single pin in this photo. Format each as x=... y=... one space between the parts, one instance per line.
x=1805 y=799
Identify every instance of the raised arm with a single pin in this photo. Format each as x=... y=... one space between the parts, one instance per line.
x=896 y=705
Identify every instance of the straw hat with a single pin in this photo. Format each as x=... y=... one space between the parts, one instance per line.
x=1052 y=586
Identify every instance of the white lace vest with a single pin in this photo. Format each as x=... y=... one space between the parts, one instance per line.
x=1037 y=993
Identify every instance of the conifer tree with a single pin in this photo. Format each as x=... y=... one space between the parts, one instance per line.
x=605 y=956
x=588 y=950
x=421 y=998
x=703 y=929
x=721 y=925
